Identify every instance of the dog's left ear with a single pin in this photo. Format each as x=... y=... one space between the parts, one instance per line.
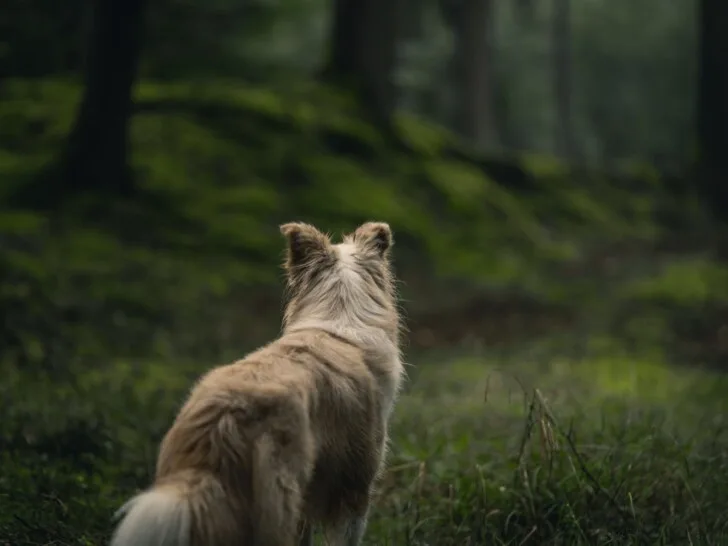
x=305 y=245
x=374 y=237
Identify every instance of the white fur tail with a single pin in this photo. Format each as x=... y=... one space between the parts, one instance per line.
x=158 y=517
x=192 y=507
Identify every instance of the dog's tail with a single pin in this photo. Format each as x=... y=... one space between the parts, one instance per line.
x=189 y=508
x=192 y=508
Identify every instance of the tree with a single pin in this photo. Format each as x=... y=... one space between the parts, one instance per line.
x=471 y=68
x=95 y=156
x=363 y=53
x=713 y=105
x=561 y=70
x=97 y=152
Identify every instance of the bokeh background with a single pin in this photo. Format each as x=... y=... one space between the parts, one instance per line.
x=554 y=175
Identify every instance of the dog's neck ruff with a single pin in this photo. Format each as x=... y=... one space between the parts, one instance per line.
x=371 y=339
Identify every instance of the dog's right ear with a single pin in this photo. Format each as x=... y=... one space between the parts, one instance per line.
x=374 y=236
x=306 y=244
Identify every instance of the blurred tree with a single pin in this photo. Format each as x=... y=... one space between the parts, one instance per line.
x=713 y=105
x=525 y=10
x=95 y=155
x=471 y=71
x=97 y=150
x=413 y=21
x=561 y=50
x=364 y=39
x=633 y=79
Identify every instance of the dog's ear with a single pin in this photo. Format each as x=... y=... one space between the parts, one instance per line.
x=305 y=244
x=374 y=237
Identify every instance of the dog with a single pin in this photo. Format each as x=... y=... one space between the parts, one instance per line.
x=295 y=434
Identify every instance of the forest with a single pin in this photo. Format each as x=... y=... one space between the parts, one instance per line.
x=554 y=175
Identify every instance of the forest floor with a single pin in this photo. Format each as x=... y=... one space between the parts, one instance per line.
x=520 y=447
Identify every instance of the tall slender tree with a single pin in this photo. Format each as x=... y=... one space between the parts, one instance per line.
x=562 y=77
x=713 y=105
x=363 y=45
x=471 y=63
x=97 y=151
x=95 y=156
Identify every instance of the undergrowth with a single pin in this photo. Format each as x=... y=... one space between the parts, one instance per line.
x=226 y=163
x=617 y=449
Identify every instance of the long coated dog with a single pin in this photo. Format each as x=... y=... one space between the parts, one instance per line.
x=294 y=434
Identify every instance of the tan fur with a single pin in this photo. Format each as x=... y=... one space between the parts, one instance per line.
x=294 y=434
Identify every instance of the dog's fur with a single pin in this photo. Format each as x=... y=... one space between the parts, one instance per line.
x=294 y=434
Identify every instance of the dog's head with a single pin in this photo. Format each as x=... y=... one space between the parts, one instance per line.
x=351 y=281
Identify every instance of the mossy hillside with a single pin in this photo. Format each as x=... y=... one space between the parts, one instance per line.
x=232 y=159
x=223 y=163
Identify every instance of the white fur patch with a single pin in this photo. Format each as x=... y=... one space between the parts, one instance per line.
x=345 y=252
x=159 y=517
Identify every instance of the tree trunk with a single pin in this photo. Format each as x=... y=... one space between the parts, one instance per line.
x=363 y=53
x=412 y=27
x=471 y=22
x=713 y=106
x=562 y=73
x=97 y=151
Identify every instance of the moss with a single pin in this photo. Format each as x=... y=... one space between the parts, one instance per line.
x=642 y=171
x=191 y=137
x=691 y=281
x=543 y=166
x=224 y=163
x=426 y=138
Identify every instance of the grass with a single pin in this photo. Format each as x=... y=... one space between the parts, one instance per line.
x=613 y=449
x=528 y=448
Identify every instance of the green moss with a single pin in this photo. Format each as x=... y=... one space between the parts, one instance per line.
x=642 y=171
x=543 y=166
x=686 y=282
x=427 y=138
x=226 y=163
x=248 y=143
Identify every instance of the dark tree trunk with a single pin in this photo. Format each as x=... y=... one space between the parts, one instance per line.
x=713 y=106
x=562 y=74
x=471 y=71
x=363 y=53
x=96 y=156
x=412 y=26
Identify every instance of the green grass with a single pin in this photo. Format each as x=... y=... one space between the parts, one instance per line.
x=535 y=448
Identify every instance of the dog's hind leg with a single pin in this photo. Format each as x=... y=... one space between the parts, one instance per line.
x=355 y=528
x=305 y=535
x=350 y=530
